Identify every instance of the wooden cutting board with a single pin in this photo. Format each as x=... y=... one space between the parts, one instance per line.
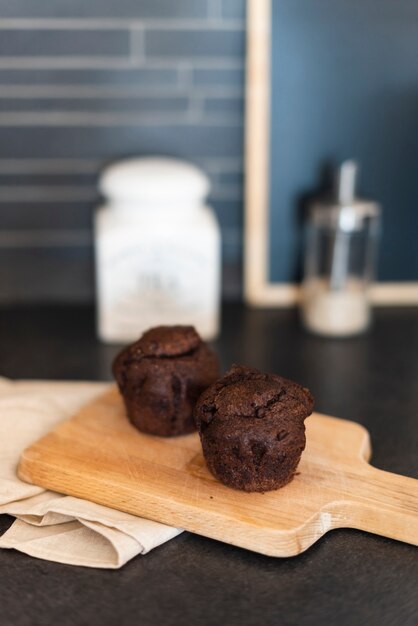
x=99 y=456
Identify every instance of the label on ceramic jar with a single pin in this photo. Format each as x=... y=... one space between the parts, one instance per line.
x=144 y=286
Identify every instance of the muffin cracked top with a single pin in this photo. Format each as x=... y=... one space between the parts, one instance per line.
x=246 y=392
x=252 y=429
x=160 y=377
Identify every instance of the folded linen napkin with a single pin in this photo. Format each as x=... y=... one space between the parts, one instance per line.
x=49 y=525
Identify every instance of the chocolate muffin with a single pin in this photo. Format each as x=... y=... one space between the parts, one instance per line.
x=252 y=428
x=161 y=376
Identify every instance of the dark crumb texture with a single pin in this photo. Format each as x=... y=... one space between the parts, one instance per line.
x=161 y=376
x=252 y=428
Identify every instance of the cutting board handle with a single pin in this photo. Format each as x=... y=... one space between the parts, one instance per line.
x=384 y=503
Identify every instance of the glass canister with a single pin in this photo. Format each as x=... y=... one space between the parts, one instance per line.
x=340 y=260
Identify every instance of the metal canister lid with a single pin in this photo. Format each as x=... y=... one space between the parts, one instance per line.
x=345 y=212
x=344 y=217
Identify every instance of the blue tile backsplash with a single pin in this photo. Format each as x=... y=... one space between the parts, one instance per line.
x=200 y=43
x=83 y=83
x=62 y=42
x=112 y=8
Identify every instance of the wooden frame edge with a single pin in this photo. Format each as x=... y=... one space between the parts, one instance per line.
x=258 y=291
x=257 y=132
x=394 y=294
x=281 y=295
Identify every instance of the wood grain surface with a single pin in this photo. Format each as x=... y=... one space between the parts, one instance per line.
x=99 y=456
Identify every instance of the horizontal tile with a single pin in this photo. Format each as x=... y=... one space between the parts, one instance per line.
x=115 y=62
x=48 y=179
x=231 y=245
x=49 y=238
x=132 y=104
x=46 y=274
x=232 y=283
x=102 y=119
x=221 y=193
x=152 y=119
x=234 y=9
x=232 y=106
x=39 y=43
x=38 y=216
x=231 y=178
x=220 y=163
x=128 y=90
x=140 y=77
x=194 y=43
x=44 y=166
x=227 y=77
x=105 y=8
x=229 y=213
x=47 y=193
x=106 y=142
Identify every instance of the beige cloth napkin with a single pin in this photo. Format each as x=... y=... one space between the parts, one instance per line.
x=48 y=525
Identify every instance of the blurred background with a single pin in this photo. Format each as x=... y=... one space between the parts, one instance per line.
x=85 y=83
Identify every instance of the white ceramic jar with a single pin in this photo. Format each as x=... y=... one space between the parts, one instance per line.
x=157 y=249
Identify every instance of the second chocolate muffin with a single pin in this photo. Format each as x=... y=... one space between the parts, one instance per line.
x=252 y=428
x=160 y=377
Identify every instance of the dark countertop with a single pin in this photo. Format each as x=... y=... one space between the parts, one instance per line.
x=347 y=578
